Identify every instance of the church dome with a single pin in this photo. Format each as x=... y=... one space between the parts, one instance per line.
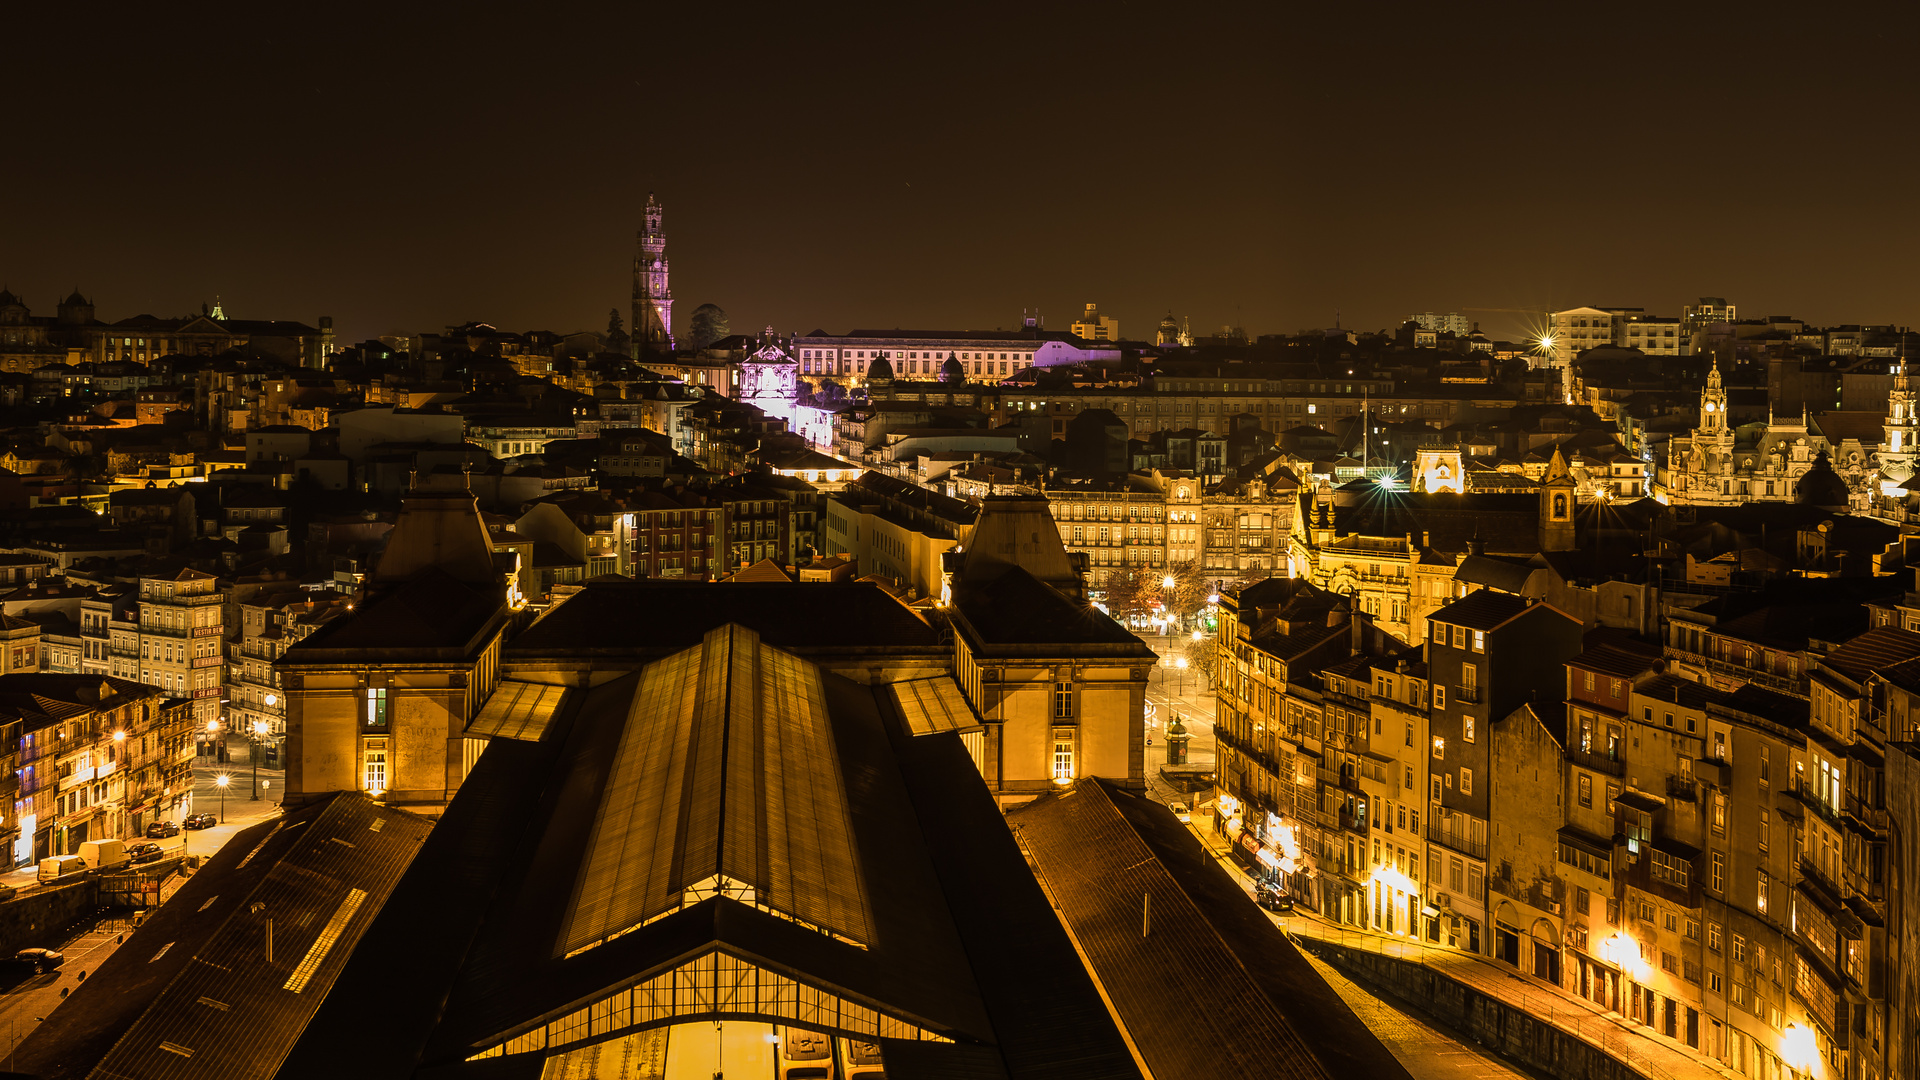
x=75 y=300
x=1823 y=487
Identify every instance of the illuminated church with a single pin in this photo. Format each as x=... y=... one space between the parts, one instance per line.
x=1720 y=464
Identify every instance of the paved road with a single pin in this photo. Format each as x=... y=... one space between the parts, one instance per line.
x=1174 y=690
x=26 y=1003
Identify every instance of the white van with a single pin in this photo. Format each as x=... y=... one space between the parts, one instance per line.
x=104 y=854
x=59 y=866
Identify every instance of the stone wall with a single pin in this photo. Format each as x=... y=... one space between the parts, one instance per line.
x=1467 y=1013
x=40 y=918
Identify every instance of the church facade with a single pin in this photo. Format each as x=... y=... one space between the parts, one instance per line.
x=1720 y=464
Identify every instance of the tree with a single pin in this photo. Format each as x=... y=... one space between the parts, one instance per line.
x=1191 y=588
x=1131 y=592
x=1203 y=656
x=617 y=339
x=708 y=325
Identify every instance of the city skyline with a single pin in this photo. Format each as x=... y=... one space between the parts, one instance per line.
x=811 y=180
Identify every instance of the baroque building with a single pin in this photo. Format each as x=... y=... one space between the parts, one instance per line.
x=1720 y=464
x=652 y=291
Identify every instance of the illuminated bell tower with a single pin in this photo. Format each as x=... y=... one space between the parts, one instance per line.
x=652 y=294
x=1903 y=429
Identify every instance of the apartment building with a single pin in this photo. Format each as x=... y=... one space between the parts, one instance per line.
x=90 y=759
x=1487 y=654
x=182 y=639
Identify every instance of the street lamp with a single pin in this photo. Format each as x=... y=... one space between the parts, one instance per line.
x=221 y=782
x=253 y=751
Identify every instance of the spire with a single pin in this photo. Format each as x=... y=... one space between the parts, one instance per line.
x=1556 y=469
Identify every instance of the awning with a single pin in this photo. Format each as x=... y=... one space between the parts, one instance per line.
x=1592 y=845
x=1641 y=800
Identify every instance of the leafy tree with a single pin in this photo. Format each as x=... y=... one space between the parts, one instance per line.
x=1191 y=588
x=1203 y=655
x=1131 y=591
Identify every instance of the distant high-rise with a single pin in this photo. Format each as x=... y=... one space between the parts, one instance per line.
x=1094 y=326
x=1709 y=310
x=652 y=294
x=1450 y=323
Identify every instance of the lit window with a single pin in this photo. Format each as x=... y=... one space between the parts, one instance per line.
x=1063 y=757
x=1063 y=701
x=375 y=766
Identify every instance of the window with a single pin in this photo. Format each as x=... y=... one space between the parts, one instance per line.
x=1459 y=637
x=1439 y=696
x=377 y=711
x=1466 y=781
x=1455 y=868
x=1586 y=791
x=374 y=766
x=1467 y=728
x=1765 y=829
x=1613 y=792
x=1439 y=748
x=1063 y=701
x=1719 y=875
x=1063 y=756
x=1479 y=641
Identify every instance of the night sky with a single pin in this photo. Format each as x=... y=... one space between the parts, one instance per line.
x=943 y=167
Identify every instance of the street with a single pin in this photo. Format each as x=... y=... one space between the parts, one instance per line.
x=1172 y=690
x=240 y=810
x=25 y=1003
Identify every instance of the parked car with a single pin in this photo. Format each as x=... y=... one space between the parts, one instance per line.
x=805 y=1055
x=146 y=852
x=1180 y=810
x=41 y=960
x=1274 y=900
x=861 y=1060
x=160 y=830
x=200 y=821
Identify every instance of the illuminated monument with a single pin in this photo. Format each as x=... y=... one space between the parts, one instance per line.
x=652 y=293
x=770 y=379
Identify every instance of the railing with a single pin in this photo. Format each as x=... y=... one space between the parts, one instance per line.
x=1597 y=761
x=1467 y=695
x=1464 y=844
x=1756 y=676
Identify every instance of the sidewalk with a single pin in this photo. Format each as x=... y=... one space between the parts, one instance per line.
x=1621 y=1038
x=240 y=811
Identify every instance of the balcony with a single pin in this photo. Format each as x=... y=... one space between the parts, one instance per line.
x=1873 y=817
x=1683 y=788
x=1597 y=761
x=1466 y=695
x=1458 y=841
x=1768 y=679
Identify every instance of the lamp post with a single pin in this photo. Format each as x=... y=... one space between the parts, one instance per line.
x=1166 y=587
x=253 y=751
x=221 y=782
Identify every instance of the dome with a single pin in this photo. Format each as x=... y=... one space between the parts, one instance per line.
x=75 y=300
x=1822 y=487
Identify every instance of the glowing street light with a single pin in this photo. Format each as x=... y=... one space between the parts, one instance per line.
x=221 y=782
x=1799 y=1049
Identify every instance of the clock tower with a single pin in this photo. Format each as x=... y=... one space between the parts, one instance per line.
x=652 y=294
